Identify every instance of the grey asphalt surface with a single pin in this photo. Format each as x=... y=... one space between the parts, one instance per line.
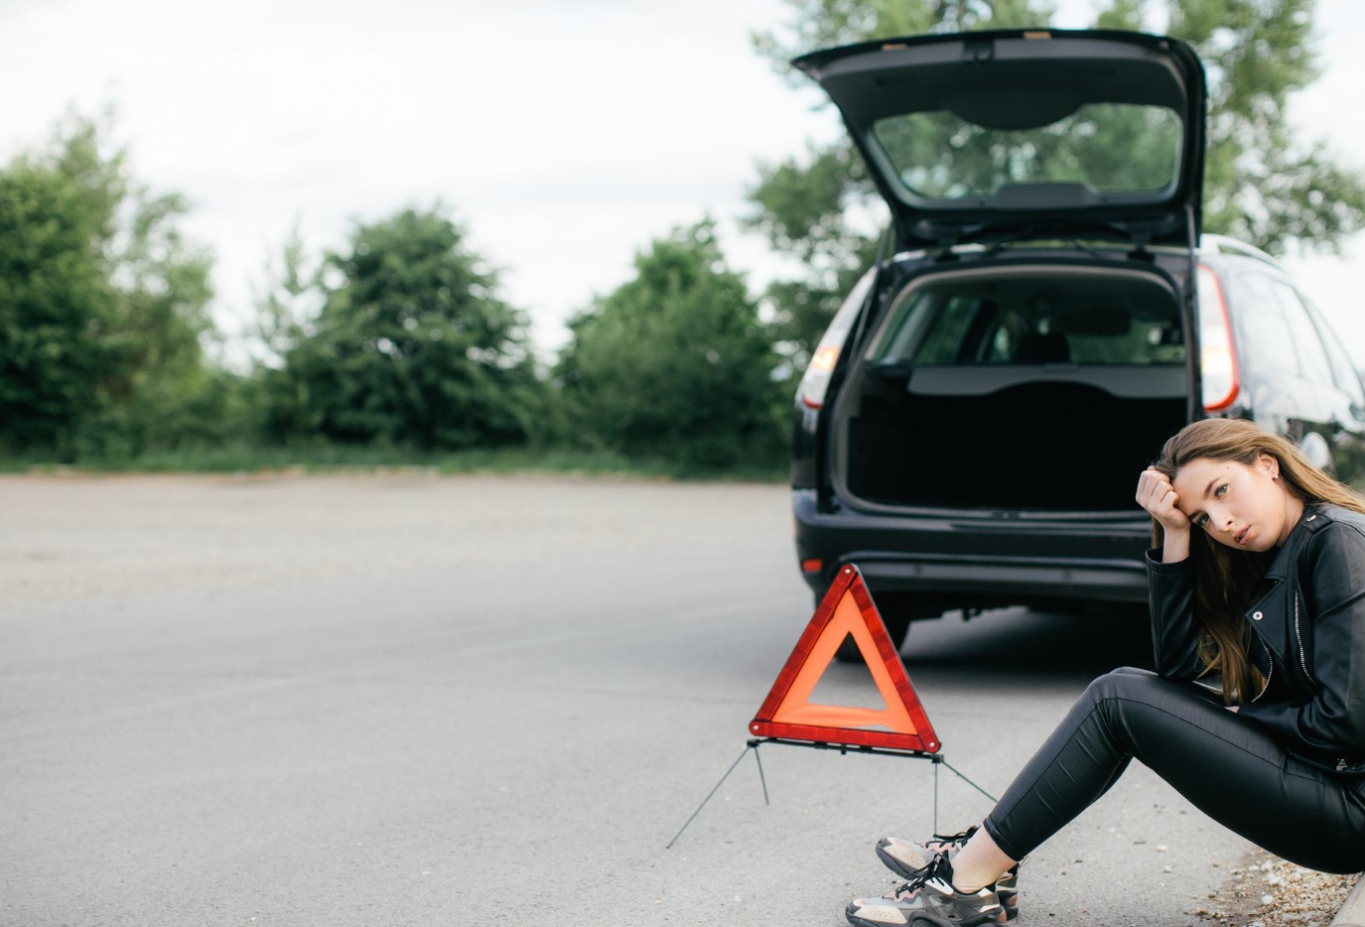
x=403 y=699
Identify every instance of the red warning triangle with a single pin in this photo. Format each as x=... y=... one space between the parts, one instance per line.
x=787 y=712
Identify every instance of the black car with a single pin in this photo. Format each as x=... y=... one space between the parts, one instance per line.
x=1044 y=315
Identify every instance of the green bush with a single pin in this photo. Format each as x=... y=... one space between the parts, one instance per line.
x=412 y=347
x=675 y=363
x=102 y=306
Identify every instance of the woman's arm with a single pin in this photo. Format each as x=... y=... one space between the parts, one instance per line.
x=1175 y=630
x=1170 y=582
x=1334 y=720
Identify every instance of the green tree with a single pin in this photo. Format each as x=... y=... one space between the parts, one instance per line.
x=103 y=303
x=287 y=297
x=411 y=346
x=1259 y=186
x=675 y=363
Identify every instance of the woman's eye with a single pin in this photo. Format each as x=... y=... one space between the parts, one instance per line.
x=1220 y=490
x=1201 y=521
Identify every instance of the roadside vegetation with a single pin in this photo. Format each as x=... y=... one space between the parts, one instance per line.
x=399 y=348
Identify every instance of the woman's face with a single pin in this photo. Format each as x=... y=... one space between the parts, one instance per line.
x=1244 y=507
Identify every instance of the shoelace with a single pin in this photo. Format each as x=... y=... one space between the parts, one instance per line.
x=960 y=840
x=947 y=841
x=907 y=889
x=954 y=838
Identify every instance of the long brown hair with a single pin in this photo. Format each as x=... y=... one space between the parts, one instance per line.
x=1226 y=579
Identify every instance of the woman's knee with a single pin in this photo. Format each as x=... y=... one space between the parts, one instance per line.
x=1132 y=671
x=1126 y=682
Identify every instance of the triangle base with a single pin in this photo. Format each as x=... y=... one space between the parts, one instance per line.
x=849 y=737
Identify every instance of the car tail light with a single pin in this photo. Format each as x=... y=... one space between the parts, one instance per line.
x=1217 y=361
x=812 y=565
x=816 y=379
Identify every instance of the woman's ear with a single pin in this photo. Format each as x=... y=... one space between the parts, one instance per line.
x=1270 y=465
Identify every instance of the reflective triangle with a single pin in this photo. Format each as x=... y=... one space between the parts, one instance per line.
x=788 y=713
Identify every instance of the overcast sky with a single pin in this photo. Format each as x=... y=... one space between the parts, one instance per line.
x=564 y=135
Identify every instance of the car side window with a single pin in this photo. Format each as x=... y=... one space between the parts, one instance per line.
x=944 y=340
x=1313 y=361
x=1260 y=321
x=1343 y=371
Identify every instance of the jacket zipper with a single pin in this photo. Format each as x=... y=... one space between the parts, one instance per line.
x=1298 y=634
x=1342 y=765
x=1271 y=661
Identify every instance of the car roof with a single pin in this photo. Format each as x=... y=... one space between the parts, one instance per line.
x=1223 y=246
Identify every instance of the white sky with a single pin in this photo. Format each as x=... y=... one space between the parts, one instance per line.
x=565 y=134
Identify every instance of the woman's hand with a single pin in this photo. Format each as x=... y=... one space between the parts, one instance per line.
x=1154 y=493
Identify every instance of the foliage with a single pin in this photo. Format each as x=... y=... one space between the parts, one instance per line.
x=675 y=363
x=241 y=457
x=1260 y=186
x=287 y=298
x=102 y=306
x=411 y=344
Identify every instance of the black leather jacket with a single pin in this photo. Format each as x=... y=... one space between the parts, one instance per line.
x=1309 y=637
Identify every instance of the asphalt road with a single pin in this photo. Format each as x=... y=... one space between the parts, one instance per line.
x=403 y=699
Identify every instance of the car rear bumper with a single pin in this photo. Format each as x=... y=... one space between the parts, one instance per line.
x=1019 y=560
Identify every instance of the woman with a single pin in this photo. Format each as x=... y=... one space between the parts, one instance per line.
x=1257 y=575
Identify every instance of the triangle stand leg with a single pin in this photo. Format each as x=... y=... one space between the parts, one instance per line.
x=937 y=759
x=969 y=782
x=752 y=745
x=936 y=765
x=757 y=759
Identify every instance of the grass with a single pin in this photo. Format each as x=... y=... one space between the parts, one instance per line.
x=242 y=458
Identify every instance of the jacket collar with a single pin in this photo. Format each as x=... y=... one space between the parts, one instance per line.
x=1286 y=555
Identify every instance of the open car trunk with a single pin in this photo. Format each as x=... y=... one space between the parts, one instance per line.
x=1090 y=134
x=1040 y=389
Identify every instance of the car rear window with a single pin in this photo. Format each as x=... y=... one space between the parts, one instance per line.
x=1105 y=148
x=1064 y=320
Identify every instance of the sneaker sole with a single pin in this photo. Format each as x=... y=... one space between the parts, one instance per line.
x=928 y=920
x=922 y=919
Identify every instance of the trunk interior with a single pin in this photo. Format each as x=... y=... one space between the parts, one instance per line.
x=1032 y=390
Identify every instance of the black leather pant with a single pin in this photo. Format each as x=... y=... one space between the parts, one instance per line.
x=1227 y=766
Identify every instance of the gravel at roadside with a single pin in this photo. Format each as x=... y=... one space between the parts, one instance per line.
x=1265 y=891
